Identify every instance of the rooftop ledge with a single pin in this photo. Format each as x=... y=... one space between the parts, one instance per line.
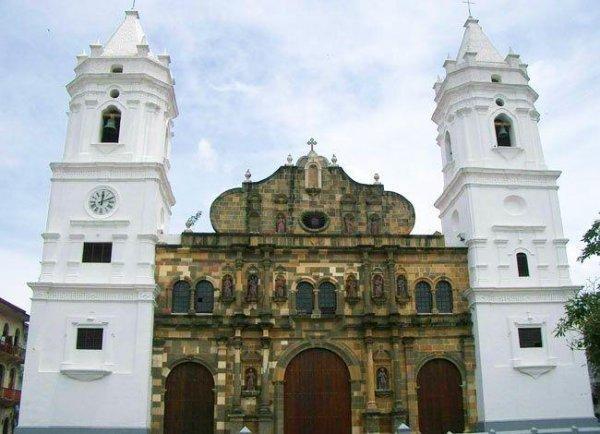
x=310 y=241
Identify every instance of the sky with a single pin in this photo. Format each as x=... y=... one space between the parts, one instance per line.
x=256 y=79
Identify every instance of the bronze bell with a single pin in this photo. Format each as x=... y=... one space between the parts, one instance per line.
x=503 y=135
x=110 y=124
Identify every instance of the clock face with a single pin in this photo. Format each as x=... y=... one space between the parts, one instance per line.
x=102 y=201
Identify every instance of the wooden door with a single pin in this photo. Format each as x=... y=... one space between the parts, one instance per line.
x=189 y=400
x=440 y=398
x=317 y=394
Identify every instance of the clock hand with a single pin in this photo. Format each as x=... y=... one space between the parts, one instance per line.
x=102 y=199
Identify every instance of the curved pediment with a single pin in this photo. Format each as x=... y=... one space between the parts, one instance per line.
x=312 y=197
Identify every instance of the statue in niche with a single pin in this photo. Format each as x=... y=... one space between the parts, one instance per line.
x=252 y=289
x=280 y=224
x=280 y=286
x=250 y=379
x=227 y=287
x=351 y=286
x=383 y=379
x=349 y=226
x=378 y=286
x=401 y=287
x=375 y=225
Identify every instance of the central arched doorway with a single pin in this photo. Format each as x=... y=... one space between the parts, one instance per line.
x=317 y=394
x=189 y=400
x=440 y=398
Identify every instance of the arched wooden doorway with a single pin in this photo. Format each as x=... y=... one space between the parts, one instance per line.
x=440 y=398
x=189 y=400
x=317 y=394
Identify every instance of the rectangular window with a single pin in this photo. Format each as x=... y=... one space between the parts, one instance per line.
x=97 y=252
x=89 y=338
x=530 y=337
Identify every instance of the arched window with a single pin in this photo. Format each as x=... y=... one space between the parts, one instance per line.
x=522 y=265
x=5 y=426
x=1 y=376
x=116 y=69
x=443 y=297
x=448 y=148
x=504 y=130
x=111 y=125
x=423 y=298
x=17 y=336
x=304 y=298
x=181 y=297
x=5 y=331
x=205 y=297
x=327 y=298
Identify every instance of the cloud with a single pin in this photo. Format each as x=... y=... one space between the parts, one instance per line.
x=206 y=155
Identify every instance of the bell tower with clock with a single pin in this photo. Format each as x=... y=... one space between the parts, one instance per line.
x=90 y=337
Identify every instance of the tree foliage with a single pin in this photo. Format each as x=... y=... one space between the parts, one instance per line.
x=581 y=322
x=592 y=242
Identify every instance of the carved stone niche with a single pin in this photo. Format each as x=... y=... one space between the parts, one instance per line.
x=351 y=288
x=378 y=287
x=348 y=199
x=280 y=289
x=401 y=288
x=251 y=291
x=383 y=383
x=227 y=287
x=251 y=361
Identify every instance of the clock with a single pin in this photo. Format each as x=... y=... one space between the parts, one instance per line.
x=102 y=202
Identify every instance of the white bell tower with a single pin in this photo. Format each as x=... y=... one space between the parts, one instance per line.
x=90 y=338
x=500 y=201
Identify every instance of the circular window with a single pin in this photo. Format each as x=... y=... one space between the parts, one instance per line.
x=314 y=221
x=499 y=102
x=114 y=93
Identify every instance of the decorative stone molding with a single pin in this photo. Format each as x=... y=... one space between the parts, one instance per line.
x=93 y=292
x=519 y=295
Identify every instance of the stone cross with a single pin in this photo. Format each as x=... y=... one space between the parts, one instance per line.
x=469 y=3
x=312 y=142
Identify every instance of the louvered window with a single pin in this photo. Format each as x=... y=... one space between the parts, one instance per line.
x=327 y=298
x=181 y=297
x=205 y=296
x=304 y=298
x=424 y=299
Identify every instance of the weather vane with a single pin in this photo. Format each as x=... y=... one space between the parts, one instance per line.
x=192 y=221
x=469 y=3
x=312 y=142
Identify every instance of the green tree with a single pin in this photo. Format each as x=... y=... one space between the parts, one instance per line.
x=581 y=322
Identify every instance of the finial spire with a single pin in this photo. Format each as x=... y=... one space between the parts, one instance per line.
x=312 y=142
x=468 y=3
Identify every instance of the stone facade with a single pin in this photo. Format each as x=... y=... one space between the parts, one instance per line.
x=374 y=323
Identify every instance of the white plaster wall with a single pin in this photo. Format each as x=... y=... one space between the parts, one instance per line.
x=508 y=394
x=120 y=399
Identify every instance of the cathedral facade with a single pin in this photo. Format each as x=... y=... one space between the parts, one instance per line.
x=310 y=268
x=311 y=308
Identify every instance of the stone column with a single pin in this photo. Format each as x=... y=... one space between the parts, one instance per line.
x=237 y=372
x=390 y=283
x=265 y=416
x=398 y=362
x=267 y=284
x=239 y=283
x=370 y=374
x=411 y=383
x=316 y=313
x=340 y=299
x=221 y=382
x=365 y=282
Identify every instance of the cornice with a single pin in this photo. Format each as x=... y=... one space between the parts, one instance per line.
x=519 y=295
x=114 y=171
x=93 y=292
x=469 y=176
